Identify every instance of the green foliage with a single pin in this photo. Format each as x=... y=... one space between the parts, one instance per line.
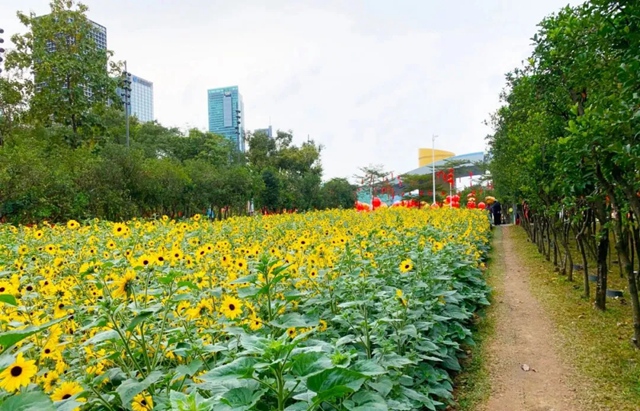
x=338 y=193
x=73 y=77
x=62 y=137
x=565 y=140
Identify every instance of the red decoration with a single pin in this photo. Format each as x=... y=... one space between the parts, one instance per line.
x=482 y=205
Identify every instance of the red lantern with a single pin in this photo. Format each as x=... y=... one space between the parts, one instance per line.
x=455 y=205
x=471 y=205
x=481 y=205
x=456 y=198
x=376 y=202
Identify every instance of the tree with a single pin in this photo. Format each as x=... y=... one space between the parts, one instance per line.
x=565 y=141
x=72 y=75
x=338 y=193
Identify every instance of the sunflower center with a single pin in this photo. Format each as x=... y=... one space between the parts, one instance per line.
x=47 y=350
x=143 y=402
x=16 y=371
x=232 y=307
x=64 y=397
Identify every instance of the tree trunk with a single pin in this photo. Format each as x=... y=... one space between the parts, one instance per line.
x=621 y=247
x=601 y=285
x=583 y=253
x=547 y=254
x=565 y=243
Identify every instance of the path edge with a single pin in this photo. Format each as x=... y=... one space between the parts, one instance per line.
x=472 y=386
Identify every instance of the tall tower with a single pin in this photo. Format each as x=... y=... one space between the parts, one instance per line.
x=141 y=98
x=226 y=114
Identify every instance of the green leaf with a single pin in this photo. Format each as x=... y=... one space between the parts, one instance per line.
x=9 y=338
x=139 y=318
x=293 y=320
x=246 y=279
x=451 y=363
x=102 y=336
x=8 y=299
x=366 y=401
x=240 y=368
x=130 y=388
x=334 y=383
x=28 y=401
x=395 y=360
x=191 y=402
x=245 y=292
x=69 y=404
x=383 y=385
x=241 y=398
x=369 y=368
x=254 y=344
x=190 y=369
x=306 y=364
x=297 y=406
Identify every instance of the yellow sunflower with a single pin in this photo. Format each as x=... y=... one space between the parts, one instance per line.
x=72 y=224
x=18 y=374
x=142 y=402
x=231 y=307
x=124 y=284
x=255 y=323
x=66 y=391
x=292 y=332
x=50 y=380
x=406 y=266
x=119 y=229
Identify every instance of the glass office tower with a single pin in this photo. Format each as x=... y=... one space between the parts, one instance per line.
x=141 y=98
x=226 y=114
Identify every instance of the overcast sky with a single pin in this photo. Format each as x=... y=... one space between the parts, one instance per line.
x=370 y=80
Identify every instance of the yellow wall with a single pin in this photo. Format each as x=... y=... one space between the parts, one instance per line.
x=425 y=156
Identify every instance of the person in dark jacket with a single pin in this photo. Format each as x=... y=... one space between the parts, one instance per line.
x=496 y=210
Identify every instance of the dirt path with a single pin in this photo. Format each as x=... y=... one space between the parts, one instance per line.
x=524 y=334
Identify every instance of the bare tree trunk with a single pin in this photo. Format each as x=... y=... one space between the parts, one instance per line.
x=565 y=243
x=601 y=285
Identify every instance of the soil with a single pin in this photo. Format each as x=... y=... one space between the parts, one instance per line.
x=524 y=340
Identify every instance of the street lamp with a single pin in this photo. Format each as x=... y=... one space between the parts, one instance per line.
x=126 y=97
x=433 y=165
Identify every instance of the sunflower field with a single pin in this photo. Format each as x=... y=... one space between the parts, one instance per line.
x=334 y=310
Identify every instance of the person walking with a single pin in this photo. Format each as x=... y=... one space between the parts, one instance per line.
x=496 y=210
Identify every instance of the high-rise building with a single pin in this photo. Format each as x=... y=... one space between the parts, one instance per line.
x=141 y=98
x=99 y=34
x=268 y=131
x=226 y=114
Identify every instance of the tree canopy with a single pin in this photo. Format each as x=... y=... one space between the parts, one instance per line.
x=566 y=139
x=63 y=152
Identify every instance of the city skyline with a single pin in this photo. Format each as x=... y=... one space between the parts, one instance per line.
x=371 y=90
